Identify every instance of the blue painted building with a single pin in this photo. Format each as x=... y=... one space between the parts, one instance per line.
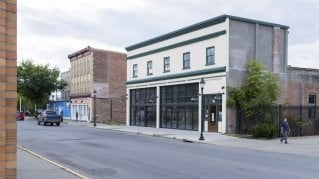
x=59 y=106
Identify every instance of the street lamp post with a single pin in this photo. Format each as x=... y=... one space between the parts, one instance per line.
x=94 y=120
x=202 y=85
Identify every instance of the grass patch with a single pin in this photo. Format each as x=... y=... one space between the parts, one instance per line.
x=112 y=122
x=245 y=136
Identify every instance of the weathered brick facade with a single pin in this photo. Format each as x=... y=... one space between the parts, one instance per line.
x=8 y=88
x=110 y=70
x=108 y=77
x=297 y=84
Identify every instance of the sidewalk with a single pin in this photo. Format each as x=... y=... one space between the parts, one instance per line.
x=303 y=146
x=30 y=166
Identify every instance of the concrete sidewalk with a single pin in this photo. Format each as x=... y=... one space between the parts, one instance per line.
x=303 y=146
x=33 y=166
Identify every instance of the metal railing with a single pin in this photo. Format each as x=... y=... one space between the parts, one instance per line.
x=303 y=120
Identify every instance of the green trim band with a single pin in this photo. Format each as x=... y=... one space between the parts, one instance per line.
x=187 y=42
x=198 y=26
x=179 y=75
x=185 y=30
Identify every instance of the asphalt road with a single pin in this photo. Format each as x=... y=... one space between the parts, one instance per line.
x=99 y=153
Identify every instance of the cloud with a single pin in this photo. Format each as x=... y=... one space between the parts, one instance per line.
x=304 y=55
x=54 y=51
x=50 y=30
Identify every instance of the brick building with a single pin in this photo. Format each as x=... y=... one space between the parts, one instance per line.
x=101 y=73
x=299 y=86
x=8 y=88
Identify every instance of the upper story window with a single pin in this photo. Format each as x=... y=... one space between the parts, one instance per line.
x=149 y=68
x=210 y=56
x=135 y=71
x=186 y=60
x=312 y=100
x=166 y=64
x=312 y=106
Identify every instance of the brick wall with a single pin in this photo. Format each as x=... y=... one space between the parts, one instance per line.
x=8 y=88
x=110 y=83
x=117 y=79
x=297 y=84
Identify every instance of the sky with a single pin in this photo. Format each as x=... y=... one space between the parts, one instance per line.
x=50 y=30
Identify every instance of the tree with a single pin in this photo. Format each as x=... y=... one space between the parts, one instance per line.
x=36 y=82
x=260 y=88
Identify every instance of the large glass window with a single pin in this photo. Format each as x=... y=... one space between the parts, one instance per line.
x=149 y=68
x=143 y=107
x=210 y=55
x=166 y=64
x=179 y=106
x=312 y=106
x=186 y=60
x=135 y=71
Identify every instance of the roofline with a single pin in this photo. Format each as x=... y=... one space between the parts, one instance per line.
x=89 y=48
x=198 y=26
x=80 y=52
x=302 y=69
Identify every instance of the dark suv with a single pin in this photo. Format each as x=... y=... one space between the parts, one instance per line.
x=49 y=117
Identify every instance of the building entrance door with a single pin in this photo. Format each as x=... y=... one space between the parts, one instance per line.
x=213 y=111
x=212 y=118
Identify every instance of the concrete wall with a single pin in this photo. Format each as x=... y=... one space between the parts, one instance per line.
x=8 y=88
x=249 y=41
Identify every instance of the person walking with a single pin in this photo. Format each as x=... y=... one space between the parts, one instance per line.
x=285 y=130
x=76 y=115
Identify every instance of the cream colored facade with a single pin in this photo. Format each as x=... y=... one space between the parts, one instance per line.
x=82 y=75
x=213 y=36
x=81 y=85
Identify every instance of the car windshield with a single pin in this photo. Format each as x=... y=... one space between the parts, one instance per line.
x=50 y=112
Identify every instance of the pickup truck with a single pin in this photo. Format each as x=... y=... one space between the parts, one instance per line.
x=49 y=117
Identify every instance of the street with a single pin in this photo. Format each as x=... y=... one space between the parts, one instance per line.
x=100 y=153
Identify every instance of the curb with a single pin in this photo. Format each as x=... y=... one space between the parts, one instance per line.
x=201 y=142
x=53 y=163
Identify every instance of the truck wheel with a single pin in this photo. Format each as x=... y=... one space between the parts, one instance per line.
x=58 y=124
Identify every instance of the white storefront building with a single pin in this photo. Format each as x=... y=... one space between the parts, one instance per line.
x=163 y=74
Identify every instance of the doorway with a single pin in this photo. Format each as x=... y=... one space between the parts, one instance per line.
x=213 y=111
x=212 y=116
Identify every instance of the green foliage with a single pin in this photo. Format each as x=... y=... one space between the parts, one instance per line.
x=236 y=97
x=265 y=130
x=36 y=82
x=260 y=88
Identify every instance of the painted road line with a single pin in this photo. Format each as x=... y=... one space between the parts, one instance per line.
x=53 y=163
